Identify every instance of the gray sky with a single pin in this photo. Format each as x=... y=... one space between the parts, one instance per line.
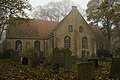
x=82 y=3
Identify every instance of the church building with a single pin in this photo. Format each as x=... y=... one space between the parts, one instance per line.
x=72 y=32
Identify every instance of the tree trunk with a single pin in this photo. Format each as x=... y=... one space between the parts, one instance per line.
x=108 y=28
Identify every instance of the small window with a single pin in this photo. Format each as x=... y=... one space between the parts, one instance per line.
x=70 y=28
x=37 y=45
x=81 y=29
x=18 y=45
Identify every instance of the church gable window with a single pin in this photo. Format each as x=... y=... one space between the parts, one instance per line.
x=18 y=45
x=84 y=43
x=67 y=42
x=37 y=45
x=81 y=29
x=70 y=28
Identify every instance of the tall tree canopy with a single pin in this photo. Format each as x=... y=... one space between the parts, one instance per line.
x=11 y=9
x=106 y=12
x=54 y=11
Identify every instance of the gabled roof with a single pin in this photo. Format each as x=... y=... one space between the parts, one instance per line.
x=32 y=29
x=98 y=33
x=75 y=14
x=42 y=28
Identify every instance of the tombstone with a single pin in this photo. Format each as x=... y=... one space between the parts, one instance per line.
x=14 y=55
x=62 y=59
x=115 y=68
x=41 y=57
x=95 y=62
x=73 y=62
x=48 y=61
x=35 y=60
x=24 y=61
x=56 y=60
x=73 y=59
x=86 y=71
x=68 y=61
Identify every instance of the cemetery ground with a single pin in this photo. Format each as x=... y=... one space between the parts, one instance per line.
x=11 y=70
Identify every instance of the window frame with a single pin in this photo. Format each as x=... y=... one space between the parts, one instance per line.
x=18 y=45
x=84 y=42
x=70 y=28
x=67 y=42
x=81 y=29
x=37 y=45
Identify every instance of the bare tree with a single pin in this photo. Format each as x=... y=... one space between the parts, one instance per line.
x=54 y=11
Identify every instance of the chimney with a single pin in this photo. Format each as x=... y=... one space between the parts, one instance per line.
x=74 y=7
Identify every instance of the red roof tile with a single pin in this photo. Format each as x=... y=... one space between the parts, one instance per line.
x=98 y=33
x=33 y=28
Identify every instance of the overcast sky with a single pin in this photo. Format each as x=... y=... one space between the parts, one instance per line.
x=82 y=3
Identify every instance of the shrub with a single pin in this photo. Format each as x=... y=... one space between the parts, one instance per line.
x=7 y=53
x=103 y=53
x=32 y=54
x=117 y=52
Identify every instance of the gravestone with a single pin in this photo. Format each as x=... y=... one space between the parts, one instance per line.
x=95 y=62
x=68 y=61
x=62 y=59
x=15 y=55
x=86 y=71
x=48 y=61
x=24 y=61
x=35 y=60
x=74 y=65
x=56 y=60
x=73 y=59
x=41 y=57
x=115 y=68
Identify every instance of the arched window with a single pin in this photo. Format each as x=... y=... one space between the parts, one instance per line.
x=18 y=45
x=81 y=29
x=37 y=45
x=84 y=43
x=70 y=28
x=67 y=42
